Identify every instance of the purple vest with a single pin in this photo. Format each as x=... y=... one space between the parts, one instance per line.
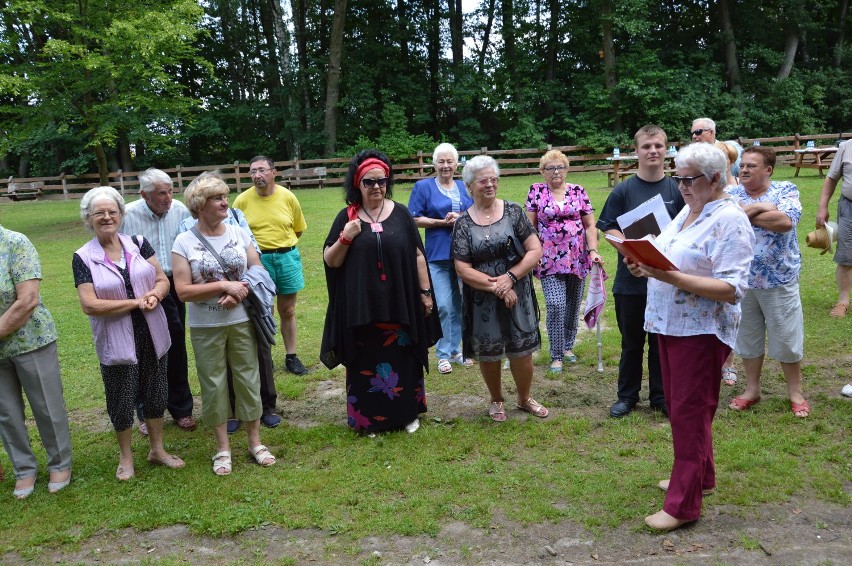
x=113 y=335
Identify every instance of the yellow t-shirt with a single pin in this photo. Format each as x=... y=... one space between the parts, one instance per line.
x=274 y=220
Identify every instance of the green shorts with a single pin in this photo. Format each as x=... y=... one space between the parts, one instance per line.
x=285 y=270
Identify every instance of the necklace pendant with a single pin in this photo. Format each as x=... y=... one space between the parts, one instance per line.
x=487 y=236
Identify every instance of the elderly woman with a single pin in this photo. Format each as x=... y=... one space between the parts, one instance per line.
x=120 y=285
x=28 y=361
x=436 y=203
x=695 y=313
x=379 y=322
x=209 y=263
x=565 y=220
x=495 y=250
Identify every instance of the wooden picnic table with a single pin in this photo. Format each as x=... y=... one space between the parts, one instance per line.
x=630 y=166
x=821 y=158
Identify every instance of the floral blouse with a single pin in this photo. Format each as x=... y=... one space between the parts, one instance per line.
x=560 y=229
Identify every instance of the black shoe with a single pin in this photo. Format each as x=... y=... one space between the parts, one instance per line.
x=233 y=425
x=294 y=365
x=621 y=409
x=270 y=421
x=661 y=407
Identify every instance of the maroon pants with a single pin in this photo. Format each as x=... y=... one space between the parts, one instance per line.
x=692 y=369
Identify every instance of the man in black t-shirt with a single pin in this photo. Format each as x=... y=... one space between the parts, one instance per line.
x=628 y=291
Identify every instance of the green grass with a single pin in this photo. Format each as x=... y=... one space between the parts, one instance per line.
x=577 y=465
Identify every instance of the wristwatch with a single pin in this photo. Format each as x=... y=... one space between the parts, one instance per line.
x=426 y=292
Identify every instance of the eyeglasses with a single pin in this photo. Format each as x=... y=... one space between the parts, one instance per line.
x=370 y=183
x=699 y=131
x=485 y=181
x=101 y=214
x=687 y=181
x=555 y=168
x=259 y=171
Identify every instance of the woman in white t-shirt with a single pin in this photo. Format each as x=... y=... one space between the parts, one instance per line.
x=220 y=330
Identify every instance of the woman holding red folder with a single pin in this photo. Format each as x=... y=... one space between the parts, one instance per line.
x=695 y=313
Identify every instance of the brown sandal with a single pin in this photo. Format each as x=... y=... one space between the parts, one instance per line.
x=839 y=310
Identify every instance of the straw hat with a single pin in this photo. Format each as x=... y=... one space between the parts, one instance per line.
x=823 y=237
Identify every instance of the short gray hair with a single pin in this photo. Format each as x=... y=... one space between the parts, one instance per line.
x=150 y=177
x=477 y=164
x=705 y=157
x=445 y=148
x=711 y=125
x=92 y=196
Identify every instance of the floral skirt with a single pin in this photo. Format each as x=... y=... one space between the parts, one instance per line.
x=384 y=383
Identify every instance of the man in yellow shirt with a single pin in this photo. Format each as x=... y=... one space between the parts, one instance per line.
x=275 y=217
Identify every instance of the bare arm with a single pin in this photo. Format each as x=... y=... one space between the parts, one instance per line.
x=335 y=254
x=423 y=278
x=765 y=215
x=19 y=312
x=708 y=287
x=426 y=222
x=533 y=218
x=591 y=237
x=828 y=187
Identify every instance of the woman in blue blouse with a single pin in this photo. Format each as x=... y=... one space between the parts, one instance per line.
x=435 y=204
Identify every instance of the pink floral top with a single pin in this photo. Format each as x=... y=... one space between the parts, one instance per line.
x=560 y=229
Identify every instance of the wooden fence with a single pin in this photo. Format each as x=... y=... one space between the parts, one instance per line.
x=511 y=161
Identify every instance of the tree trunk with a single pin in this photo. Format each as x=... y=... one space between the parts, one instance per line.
x=841 y=26
x=486 y=36
x=730 y=45
x=433 y=43
x=456 y=37
x=332 y=91
x=551 y=50
x=791 y=45
x=299 y=9
x=103 y=167
x=510 y=58
x=610 y=78
x=125 y=160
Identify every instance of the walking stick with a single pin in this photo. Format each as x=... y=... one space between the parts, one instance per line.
x=600 y=347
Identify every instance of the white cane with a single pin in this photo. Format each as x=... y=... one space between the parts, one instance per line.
x=600 y=347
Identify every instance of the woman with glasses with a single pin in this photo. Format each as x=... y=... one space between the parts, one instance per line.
x=436 y=203
x=495 y=250
x=120 y=285
x=695 y=313
x=379 y=323
x=565 y=220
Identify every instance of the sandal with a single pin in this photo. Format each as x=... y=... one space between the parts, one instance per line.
x=457 y=358
x=123 y=473
x=170 y=461
x=262 y=455
x=222 y=463
x=740 y=404
x=839 y=310
x=729 y=376
x=497 y=412
x=555 y=367
x=534 y=408
x=802 y=407
x=570 y=357
x=444 y=366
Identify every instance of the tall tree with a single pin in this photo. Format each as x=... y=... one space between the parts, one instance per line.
x=332 y=92
x=729 y=45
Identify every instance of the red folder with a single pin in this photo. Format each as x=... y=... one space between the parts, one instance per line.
x=643 y=250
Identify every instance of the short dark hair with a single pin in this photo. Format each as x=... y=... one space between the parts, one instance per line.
x=262 y=158
x=350 y=189
x=767 y=153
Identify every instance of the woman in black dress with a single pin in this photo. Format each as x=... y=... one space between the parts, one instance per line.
x=495 y=248
x=379 y=323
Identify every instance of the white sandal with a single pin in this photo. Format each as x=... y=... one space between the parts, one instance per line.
x=444 y=366
x=262 y=455
x=222 y=461
x=729 y=376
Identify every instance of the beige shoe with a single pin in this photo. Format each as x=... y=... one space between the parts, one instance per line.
x=664 y=485
x=662 y=521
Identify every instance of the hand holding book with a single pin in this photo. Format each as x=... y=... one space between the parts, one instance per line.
x=643 y=250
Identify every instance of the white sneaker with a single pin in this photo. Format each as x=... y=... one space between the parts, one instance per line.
x=412 y=426
x=847 y=390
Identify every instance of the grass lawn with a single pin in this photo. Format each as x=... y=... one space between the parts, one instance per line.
x=577 y=464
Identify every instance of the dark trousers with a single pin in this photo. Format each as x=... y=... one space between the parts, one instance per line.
x=630 y=314
x=180 y=396
x=268 y=394
x=691 y=366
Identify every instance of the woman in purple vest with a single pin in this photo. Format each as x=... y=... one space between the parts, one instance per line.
x=120 y=284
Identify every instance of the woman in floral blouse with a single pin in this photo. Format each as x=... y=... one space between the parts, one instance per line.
x=565 y=220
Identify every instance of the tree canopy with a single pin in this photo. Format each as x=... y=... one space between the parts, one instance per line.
x=108 y=84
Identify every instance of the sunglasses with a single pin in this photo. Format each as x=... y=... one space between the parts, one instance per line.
x=700 y=131
x=687 y=181
x=370 y=183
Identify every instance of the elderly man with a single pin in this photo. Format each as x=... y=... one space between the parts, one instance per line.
x=275 y=217
x=772 y=306
x=629 y=292
x=841 y=168
x=157 y=216
x=703 y=130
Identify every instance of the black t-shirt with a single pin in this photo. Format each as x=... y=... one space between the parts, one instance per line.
x=626 y=196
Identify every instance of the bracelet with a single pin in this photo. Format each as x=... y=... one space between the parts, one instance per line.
x=344 y=240
x=590 y=250
x=426 y=292
x=512 y=277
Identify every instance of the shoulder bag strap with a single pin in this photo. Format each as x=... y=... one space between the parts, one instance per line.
x=207 y=245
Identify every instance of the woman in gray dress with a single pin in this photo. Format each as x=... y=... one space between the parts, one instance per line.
x=495 y=248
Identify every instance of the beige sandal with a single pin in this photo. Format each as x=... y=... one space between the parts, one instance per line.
x=839 y=310
x=497 y=412
x=222 y=463
x=534 y=408
x=262 y=455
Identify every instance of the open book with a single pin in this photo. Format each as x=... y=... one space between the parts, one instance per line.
x=644 y=250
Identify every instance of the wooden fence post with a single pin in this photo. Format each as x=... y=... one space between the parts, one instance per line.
x=121 y=182
x=64 y=185
x=483 y=150
x=420 y=163
x=237 y=177
x=180 y=177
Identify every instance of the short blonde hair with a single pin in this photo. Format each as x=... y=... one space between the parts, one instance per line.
x=207 y=185
x=553 y=155
x=729 y=151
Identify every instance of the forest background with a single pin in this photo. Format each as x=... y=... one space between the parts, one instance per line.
x=101 y=85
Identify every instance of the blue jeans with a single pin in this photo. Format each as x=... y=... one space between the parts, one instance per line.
x=445 y=285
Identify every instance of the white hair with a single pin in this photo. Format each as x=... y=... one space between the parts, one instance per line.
x=705 y=157
x=445 y=148
x=150 y=177
x=477 y=164
x=92 y=196
x=711 y=125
